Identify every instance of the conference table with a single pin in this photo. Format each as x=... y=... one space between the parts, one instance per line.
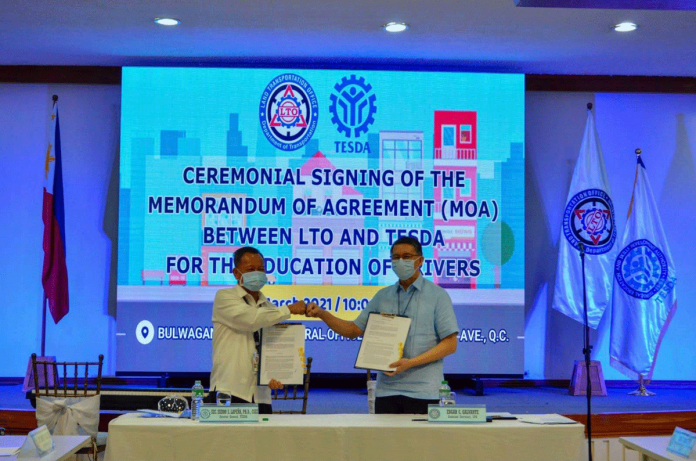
x=66 y=446
x=348 y=437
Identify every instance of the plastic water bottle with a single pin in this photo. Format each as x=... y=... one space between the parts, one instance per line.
x=444 y=393
x=196 y=400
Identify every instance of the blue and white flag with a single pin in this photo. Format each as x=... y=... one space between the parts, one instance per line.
x=589 y=220
x=645 y=297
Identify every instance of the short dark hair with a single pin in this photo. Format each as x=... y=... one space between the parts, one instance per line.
x=244 y=251
x=408 y=241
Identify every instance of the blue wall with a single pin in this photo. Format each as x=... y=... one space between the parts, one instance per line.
x=663 y=126
x=89 y=119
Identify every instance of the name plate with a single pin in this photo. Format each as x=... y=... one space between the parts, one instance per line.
x=457 y=414
x=42 y=440
x=235 y=413
x=682 y=442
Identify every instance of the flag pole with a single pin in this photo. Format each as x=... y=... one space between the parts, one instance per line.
x=587 y=349
x=641 y=391
x=43 y=328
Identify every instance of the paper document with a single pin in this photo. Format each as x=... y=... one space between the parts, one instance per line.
x=545 y=419
x=500 y=415
x=9 y=451
x=282 y=354
x=383 y=341
x=160 y=414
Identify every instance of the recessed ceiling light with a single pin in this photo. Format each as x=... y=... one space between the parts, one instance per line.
x=167 y=21
x=395 y=26
x=625 y=27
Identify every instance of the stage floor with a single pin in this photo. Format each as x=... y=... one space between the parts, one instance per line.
x=519 y=400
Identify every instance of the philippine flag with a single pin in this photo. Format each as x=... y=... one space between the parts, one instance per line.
x=54 y=276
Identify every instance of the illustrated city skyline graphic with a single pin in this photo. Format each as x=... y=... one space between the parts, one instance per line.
x=455 y=148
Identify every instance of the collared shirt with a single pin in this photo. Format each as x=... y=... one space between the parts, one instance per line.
x=432 y=320
x=236 y=316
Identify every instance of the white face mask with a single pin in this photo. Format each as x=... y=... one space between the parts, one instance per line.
x=404 y=268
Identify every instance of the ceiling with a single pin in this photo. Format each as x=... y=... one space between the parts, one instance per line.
x=485 y=35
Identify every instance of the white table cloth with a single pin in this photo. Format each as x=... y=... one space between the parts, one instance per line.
x=653 y=448
x=66 y=446
x=340 y=438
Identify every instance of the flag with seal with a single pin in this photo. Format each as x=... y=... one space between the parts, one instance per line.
x=645 y=297
x=588 y=223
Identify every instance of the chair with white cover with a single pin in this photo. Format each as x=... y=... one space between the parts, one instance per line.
x=371 y=389
x=69 y=403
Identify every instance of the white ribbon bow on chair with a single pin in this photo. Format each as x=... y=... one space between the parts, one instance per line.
x=69 y=415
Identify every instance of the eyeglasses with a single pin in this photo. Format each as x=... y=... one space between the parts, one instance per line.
x=406 y=256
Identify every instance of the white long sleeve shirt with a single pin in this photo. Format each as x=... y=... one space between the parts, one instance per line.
x=236 y=316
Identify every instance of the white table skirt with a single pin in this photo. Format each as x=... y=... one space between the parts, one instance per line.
x=340 y=438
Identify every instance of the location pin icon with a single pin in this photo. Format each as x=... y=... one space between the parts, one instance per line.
x=144 y=331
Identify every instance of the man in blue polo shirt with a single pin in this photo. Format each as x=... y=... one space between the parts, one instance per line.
x=433 y=334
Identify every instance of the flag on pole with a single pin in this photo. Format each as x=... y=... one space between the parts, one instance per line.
x=645 y=297
x=588 y=219
x=54 y=276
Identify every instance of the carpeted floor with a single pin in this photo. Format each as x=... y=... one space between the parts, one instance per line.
x=514 y=400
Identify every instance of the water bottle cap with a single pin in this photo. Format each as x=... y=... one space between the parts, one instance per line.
x=444 y=382
x=197 y=382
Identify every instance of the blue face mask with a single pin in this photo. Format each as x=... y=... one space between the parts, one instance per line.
x=254 y=281
x=404 y=268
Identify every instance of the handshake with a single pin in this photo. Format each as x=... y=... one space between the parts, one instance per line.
x=309 y=310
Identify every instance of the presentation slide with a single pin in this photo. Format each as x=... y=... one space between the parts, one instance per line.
x=321 y=170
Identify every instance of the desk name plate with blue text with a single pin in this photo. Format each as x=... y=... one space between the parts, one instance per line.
x=457 y=414
x=682 y=442
x=235 y=413
x=38 y=444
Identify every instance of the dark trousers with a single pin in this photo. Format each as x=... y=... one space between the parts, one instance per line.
x=264 y=408
x=400 y=404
